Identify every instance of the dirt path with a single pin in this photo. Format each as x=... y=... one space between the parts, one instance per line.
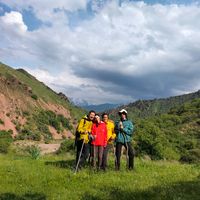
x=45 y=148
x=48 y=148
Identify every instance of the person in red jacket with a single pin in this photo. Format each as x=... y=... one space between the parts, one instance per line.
x=99 y=133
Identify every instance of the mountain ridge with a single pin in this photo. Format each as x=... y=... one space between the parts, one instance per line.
x=24 y=99
x=148 y=108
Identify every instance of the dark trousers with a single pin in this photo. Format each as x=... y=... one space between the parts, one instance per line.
x=84 y=154
x=131 y=154
x=105 y=156
x=91 y=149
x=97 y=156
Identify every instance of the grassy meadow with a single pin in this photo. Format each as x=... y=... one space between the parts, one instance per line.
x=51 y=177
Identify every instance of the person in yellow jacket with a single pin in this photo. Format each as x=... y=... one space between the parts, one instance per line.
x=83 y=135
x=110 y=138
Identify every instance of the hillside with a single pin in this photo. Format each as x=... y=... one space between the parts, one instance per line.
x=148 y=108
x=174 y=135
x=31 y=110
x=166 y=128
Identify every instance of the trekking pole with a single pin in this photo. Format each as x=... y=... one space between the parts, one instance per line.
x=114 y=152
x=127 y=157
x=79 y=158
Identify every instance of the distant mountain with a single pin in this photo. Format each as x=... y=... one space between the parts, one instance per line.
x=79 y=102
x=32 y=110
x=96 y=107
x=100 y=107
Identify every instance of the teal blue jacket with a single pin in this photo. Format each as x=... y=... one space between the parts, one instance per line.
x=125 y=134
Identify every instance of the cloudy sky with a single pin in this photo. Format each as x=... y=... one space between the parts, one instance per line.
x=105 y=50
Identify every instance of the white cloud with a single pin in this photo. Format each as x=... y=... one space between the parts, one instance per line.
x=76 y=87
x=14 y=20
x=123 y=53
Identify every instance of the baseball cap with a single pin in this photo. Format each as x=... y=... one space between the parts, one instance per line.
x=123 y=111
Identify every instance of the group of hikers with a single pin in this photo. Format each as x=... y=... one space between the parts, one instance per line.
x=97 y=135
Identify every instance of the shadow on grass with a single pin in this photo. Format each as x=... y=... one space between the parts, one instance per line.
x=177 y=191
x=11 y=196
x=62 y=163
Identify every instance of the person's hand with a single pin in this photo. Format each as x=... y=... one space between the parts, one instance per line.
x=91 y=138
x=121 y=125
x=110 y=140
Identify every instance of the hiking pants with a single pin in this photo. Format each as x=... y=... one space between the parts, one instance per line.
x=97 y=156
x=84 y=154
x=105 y=156
x=131 y=153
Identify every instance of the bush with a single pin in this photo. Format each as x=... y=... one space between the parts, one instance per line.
x=66 y=146
x=5 y=141
x=50 y=118
x=189 y=144
x=26 y=113
x=150 y=141
x=29 y=135
x=34 y=96
x=1 y=121
x=34 y=151
x=18 y=127
x=191 y=156
x=4 y=145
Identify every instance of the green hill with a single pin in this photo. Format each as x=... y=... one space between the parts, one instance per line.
x=174 y=135
x=166 y=128
x=148 y=108
x=31 y=110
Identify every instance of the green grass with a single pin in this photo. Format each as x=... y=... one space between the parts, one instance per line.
x=51 y=177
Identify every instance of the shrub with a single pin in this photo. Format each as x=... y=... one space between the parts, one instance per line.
x=50 y=118
x=26 y=113
x=34 y=151
x=18 y=127
x=1 y=121
x=150 y=141
x=65 y=122
x=5 y=141
x=55 y=123
x=66 y=146
x=191 y=156
x=4 y=145
x=189 y=144
x=198 y=122
x=29 y=135
x=34 y=96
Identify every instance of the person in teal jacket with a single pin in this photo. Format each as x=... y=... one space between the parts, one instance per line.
x=124 y=131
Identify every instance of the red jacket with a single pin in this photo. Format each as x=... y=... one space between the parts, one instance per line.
x=99 y=131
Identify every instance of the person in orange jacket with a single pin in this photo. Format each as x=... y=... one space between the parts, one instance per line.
x=99 y=133
x=110 y=138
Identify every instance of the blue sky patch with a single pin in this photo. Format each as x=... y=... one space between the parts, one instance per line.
x=3 y=9
x=30 y=20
